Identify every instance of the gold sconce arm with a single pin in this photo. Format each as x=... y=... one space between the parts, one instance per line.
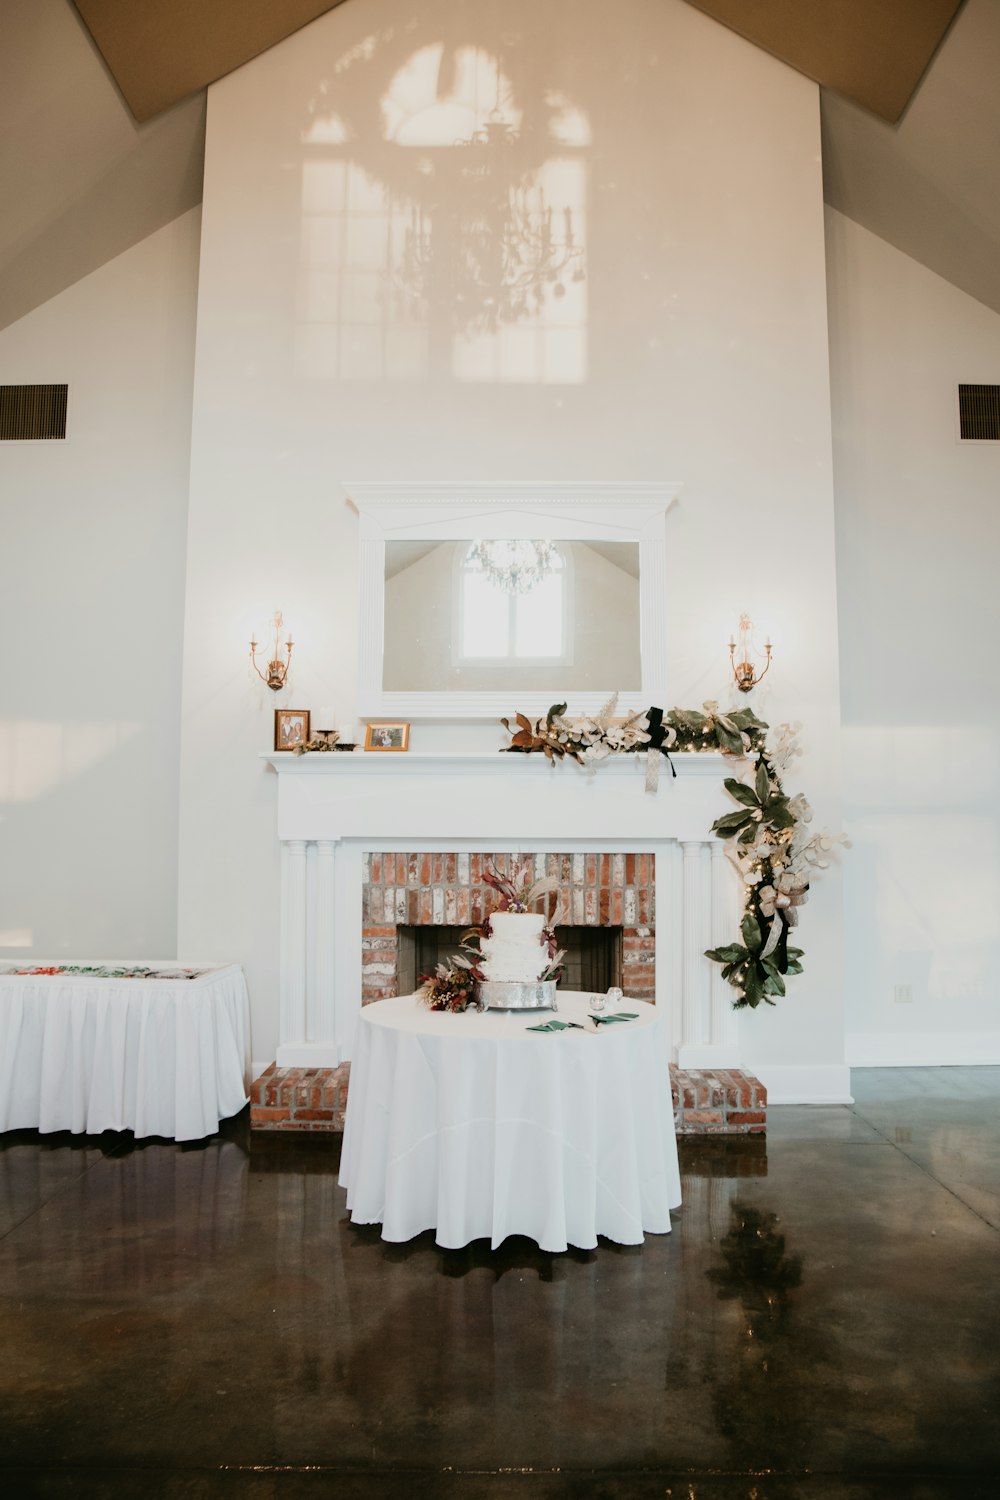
x=745 y=674
x=277 y=670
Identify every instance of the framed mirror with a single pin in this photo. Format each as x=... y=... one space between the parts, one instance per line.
x=478 y=600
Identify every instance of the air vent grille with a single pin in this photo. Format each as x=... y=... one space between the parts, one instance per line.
x=979 y=413
x=32 y=411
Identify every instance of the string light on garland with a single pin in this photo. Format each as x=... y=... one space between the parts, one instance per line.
x=515 y=567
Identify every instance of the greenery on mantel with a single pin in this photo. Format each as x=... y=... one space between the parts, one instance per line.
x=766 y=835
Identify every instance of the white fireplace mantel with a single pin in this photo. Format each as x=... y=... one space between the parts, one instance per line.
x=332 y=807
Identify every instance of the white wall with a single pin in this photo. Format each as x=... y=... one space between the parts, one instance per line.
x=918 y=537
x=695 y=351
x=91 y=611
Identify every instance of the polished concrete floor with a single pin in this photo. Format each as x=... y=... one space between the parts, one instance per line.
x=824 y=1321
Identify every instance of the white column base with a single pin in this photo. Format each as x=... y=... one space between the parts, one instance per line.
x=708 y=1055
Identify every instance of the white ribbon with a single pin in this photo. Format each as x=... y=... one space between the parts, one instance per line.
x=773 y=937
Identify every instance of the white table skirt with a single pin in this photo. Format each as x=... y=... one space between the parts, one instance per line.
x=474 y=1126
x=167 y=1057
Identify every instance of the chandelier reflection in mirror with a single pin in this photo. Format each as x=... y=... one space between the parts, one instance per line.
x=508 y=247
x=515 y=567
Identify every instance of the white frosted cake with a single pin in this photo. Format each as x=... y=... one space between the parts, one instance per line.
x=516 y=951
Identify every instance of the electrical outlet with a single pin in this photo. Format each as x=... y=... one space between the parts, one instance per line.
x=903 y=994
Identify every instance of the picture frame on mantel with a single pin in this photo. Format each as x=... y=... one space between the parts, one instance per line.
x=387 y=736
x=291 y=728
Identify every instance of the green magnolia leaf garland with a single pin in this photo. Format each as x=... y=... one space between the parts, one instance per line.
x=767 y=835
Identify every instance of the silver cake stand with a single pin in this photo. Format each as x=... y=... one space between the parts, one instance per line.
x=497 y=994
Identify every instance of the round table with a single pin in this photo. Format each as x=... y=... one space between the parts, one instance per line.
x=475 y=1126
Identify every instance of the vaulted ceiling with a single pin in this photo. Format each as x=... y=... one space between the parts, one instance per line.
x=103 y=123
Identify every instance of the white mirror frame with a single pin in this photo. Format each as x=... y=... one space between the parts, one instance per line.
x=449 y=511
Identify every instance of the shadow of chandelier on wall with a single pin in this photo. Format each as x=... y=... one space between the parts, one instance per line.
x=502 y=250
x=483 y=180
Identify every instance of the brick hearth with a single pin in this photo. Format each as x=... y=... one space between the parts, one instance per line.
x=709 y=1102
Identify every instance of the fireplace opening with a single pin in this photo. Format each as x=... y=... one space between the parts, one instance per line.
x=593 y=958
x=415 y=907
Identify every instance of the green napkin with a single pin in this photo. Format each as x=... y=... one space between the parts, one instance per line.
x=622 y=1015
x=557 y=1026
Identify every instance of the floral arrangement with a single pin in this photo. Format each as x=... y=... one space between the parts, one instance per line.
x=767 y=836
x=584 y=739
x=770 y=843
x=452 y=985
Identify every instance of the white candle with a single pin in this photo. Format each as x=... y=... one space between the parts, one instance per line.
x=324 y=718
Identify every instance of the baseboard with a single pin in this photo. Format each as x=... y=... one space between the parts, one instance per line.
x=922 y=1049
x=821 y=1083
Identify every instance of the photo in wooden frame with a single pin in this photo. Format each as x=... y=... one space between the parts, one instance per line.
x=291 y=727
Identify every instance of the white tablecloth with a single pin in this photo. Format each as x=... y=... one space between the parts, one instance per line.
x=166 y=1057
x=477 y=1127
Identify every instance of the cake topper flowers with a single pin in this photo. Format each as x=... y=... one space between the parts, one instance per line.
x=517 y=891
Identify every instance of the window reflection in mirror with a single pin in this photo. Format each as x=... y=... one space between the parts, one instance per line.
x=511 y=616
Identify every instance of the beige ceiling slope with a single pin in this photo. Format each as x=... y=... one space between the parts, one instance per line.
x=162 y=51
x=931 y=185
x=80 y=181
x=873 y=51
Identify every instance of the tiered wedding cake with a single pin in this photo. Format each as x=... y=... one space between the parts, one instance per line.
x=516 y=950
x=513 y=958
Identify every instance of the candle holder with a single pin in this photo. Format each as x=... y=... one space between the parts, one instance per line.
x=744 y=672
x=277 y=670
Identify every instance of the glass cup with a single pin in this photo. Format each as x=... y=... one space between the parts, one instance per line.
x=597 y=1003
x=615 y=997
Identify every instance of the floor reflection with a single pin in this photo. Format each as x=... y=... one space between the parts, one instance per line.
x=822 y=1307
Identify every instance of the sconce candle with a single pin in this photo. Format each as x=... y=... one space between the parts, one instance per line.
x=325 y=718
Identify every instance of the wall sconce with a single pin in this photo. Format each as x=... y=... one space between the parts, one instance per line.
x=277 y=670
x=744 y=672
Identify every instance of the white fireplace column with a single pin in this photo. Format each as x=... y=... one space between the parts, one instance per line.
x=307 y=980
x=709 y=918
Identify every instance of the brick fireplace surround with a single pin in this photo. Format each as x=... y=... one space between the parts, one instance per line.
x=447 y=889
x=595 y=890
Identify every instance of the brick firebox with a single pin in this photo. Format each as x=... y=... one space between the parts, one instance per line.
x=594 y=890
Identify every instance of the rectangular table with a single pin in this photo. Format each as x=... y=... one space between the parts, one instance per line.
x=158 y=1056
x=477 y=1127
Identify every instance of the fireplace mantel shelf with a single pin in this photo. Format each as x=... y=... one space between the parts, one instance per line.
x=486 y=762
